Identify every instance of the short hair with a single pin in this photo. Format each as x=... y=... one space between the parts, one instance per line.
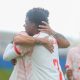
x=37 y=15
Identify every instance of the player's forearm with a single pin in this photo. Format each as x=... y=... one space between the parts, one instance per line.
x=61 y=40
x=31 y=41
x=28 y=40
x=40 y=41
x=24 y=40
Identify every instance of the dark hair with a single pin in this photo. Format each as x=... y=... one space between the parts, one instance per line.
x=37 y=15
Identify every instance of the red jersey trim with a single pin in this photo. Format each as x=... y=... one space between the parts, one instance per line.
x=16 y=50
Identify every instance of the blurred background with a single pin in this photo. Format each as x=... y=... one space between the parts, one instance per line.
x=64 y=18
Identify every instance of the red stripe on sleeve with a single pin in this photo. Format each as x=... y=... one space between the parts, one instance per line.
x=16 y=50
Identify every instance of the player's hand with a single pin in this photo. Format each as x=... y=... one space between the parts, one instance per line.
x=24 y=39
x=45 y=28
x=14 y=61
x=47 y=43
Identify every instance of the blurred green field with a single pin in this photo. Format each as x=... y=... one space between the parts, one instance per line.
x=5 y=74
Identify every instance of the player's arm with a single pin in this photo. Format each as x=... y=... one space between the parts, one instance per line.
x=61 y=40
x=21 y=39
x=31 y=41
x=24 y=39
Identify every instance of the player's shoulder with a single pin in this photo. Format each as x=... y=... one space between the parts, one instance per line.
x=21 y=33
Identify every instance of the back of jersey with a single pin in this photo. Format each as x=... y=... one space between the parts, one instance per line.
x=44 y=63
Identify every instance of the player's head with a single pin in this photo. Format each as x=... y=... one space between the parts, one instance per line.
x=34 y=18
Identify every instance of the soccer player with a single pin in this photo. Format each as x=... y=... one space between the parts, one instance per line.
x=73 y=63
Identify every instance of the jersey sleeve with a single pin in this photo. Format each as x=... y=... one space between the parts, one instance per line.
x=10 y=53
x=13 y=51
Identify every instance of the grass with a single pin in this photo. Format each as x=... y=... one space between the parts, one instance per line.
x=5 y=74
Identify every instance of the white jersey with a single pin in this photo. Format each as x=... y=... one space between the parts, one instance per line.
x=45 y=64
x=42 y=64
